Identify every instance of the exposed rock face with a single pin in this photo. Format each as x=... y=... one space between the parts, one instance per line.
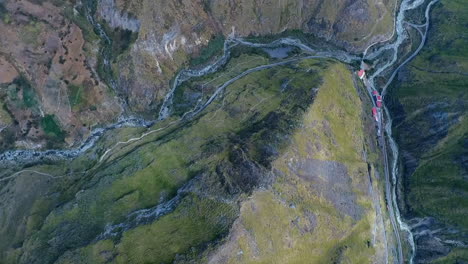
x=56 y=49
x=172 y=32
x=115 y=18
x=330 y=180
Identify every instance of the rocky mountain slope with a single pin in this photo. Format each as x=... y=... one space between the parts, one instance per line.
x=71 y=66
x=170 y=33
x=429 y=103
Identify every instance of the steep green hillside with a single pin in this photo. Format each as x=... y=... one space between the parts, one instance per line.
x=173 y=192
x=430 y=105
x=227 y=147
x=320 y=208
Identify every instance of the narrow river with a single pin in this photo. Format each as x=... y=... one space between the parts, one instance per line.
x=391 y=187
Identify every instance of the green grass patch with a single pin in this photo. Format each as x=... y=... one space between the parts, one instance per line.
x=438 y=187
x=28 y=93
x=194 y=222
x=82 y=22
x=5 y=117
x=30 y=32
x=122 y=40
x=214 y=47
x=342 y=137
x=3 y=11
x=455 y=256
x=188 y=93
x=51 y=127
x=76 y=95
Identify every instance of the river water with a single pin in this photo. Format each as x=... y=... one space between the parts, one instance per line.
x=401 y=36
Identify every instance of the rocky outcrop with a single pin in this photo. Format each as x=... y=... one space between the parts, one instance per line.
x=115 y=17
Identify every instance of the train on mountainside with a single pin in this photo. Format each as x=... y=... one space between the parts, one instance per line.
x=377 y=98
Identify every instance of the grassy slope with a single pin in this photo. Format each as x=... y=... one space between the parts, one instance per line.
x=154 y=169
x=432 y=124
x=5 y=118
x=275 y=225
